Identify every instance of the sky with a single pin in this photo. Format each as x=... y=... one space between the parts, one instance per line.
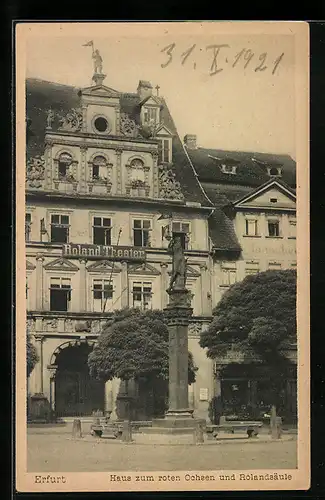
x=238 y=108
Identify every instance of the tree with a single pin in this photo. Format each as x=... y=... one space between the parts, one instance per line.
x=134 y=345
x=254 y=320
x=32 y=356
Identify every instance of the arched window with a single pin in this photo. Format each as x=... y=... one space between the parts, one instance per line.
x=137 y=170
x=65 y=161
x=99 y=166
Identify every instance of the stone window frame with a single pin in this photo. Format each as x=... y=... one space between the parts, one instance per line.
x=74 y=163
x=109 y=124
x=143 y=281
x=109 y=168
x=146 y=169
x=229 y=267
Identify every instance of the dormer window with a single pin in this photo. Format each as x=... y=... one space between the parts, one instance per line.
x=164 y=150
x=228 y=169
x=274 y=171
x=150 y=115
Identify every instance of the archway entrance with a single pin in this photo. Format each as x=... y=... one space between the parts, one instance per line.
x=76 y=393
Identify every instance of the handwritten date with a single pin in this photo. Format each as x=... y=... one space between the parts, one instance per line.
x=220 y=60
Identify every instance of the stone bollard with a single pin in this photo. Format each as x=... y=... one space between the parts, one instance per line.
x=76 y=429
x=275 y=424
x=126 y=432
x=198 y=433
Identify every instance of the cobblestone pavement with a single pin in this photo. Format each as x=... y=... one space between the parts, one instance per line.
x=53 y=450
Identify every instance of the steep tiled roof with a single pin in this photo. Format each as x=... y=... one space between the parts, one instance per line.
x=251 y=166
x=42 y=95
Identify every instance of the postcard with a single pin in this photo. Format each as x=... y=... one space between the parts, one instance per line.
x=162 y=181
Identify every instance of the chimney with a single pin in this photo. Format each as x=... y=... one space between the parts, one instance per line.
x=190 y=141
x=144 y=89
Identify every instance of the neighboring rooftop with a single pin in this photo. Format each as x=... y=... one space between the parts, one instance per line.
x=250 y=168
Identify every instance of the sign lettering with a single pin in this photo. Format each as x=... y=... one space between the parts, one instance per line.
x=74 y=250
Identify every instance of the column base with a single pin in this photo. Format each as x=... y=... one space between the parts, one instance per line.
x=175 y=422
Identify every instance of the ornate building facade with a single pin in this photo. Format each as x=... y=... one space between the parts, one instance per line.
x=102 y=168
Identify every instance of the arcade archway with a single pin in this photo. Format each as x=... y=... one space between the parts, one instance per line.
x=76 y=393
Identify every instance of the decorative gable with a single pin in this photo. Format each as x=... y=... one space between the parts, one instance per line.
x=273 y=196
x=61 y=265
x=144 y=268
x=163 y=131
x=104 y=266
x=29 y=266
x=100 y=91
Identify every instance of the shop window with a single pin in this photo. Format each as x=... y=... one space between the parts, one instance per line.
x=60 y=294
x=102 y=231
x=141 y=233
x=273 y=228
x=59 y=228
x=28 y=226
x=102 y=295
x=251 y=227
x=142 y=295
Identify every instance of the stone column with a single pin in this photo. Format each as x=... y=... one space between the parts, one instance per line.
x=124 y=285
x=39 y=366
x=39 y=282
x=155 y=174
x=178 y=313
x=83 y=170
x=164 y=284
x=83 y=285
x=118 y=152
x=52 y=370
x=109 y=398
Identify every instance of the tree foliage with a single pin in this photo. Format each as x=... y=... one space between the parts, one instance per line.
x=257 y=314
x=133 y=344
x=31 y=354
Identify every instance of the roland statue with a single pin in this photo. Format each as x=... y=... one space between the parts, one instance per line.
x=179 y=264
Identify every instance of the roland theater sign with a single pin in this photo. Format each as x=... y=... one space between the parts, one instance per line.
x=73 y=250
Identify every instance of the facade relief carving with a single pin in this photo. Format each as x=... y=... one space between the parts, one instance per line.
x=51 y=324
x=35 y=171
x=194 y=329
x=30 y=325
x=128 y=127
x=72 y=121
x=169 y=188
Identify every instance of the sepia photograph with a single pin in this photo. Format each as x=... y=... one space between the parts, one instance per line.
x=162 y=256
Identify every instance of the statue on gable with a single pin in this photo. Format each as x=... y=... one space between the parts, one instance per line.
x=179 y=264
x=98 y=61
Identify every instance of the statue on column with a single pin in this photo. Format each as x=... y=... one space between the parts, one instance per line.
x=179 y=264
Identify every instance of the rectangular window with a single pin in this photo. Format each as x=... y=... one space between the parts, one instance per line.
x=150 y=115
x=275 y=266
x=182 y=229
x=142 y=295
x=163 y=151
x=60 y=294
x=28 y=226
x=102 y=228
x=251 y=227
x=141 y=233
x=59 y=228
x=292 y=229
x=273 y=228
x=102 y=295
x=251 y=270
x=228 y=276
